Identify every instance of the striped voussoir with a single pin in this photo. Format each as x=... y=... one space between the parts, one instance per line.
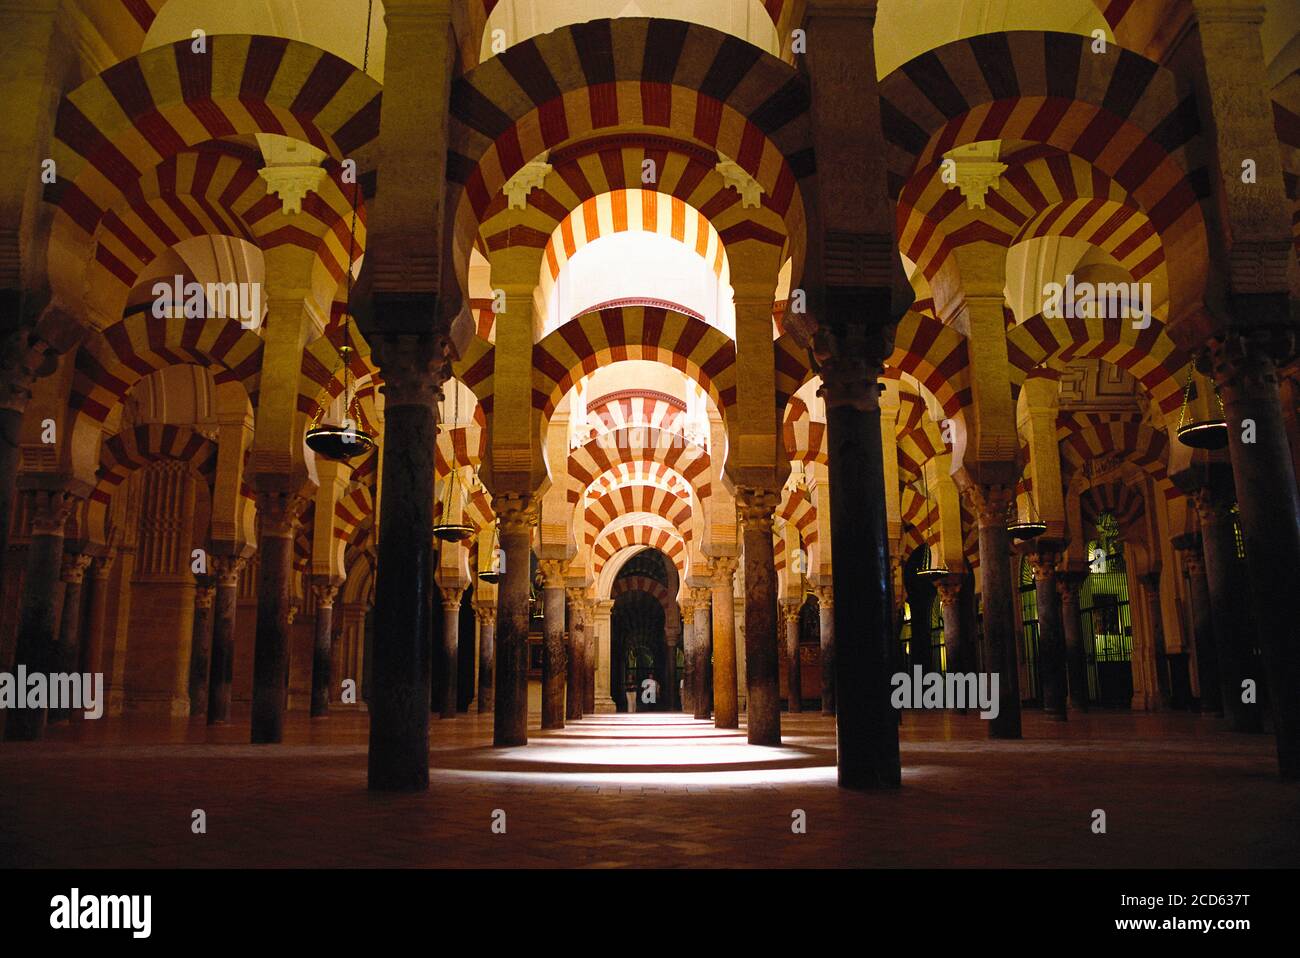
x=636 y=407
x=658 y=334
x=643 y=497
x=1086 y=442
x=697 y=84
x=123 y=453
x=1127 y=116
x=936 y=356
x=632 y=446
x=116 y=127
x=666 y=540
x=803 y=436
x=1149 y=355
x=643 y=583
x=321 y=377
x=112 y=360
x=1120 y=499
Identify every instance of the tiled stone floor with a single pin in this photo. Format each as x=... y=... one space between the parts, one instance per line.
x=651 y=790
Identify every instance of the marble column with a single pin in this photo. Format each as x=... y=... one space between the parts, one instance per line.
x=826 y=614
x=851 y=359
x=554 y=658
x=92 y=659
x=1053 y=658
x=1245 y=367
x=604 y=703
x=991 y=504
x=949 y=590
x=590 y=654
x=756 y=508
x=722 y=656
x=1151 y=591
x=1188 y=546
x=487 y=654
x=277 y=524
x=67 y=655
x=205 y=594
x=689 y=641
x=670 y=693
x=702 y=689
x=516 y=513
x=1076 y=663
x=324 y=591
x=225 y=572
x=414 y=367
x=576 y=682
x=38 y=617
x=448 y=654
x=1231 y=637
x=793 y=678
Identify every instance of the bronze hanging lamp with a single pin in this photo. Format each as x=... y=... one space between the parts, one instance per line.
x=346 y=440
x=494 y=573
x=928 y=571
x=1205 y=433
x=446 y=530
x=1030 y=527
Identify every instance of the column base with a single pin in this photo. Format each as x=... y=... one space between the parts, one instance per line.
x=605 y=707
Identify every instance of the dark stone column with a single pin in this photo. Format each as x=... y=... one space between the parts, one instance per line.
x=38 y=618
x=554 y=656
x=670 y=673
x=688 y=652
x=225 y=571
x=324 y=591
x=720 y=665
x=589 y=653
x=1245 y=368
x=92 y=658
x=487 y=656
x=576 y=684
x=277 y=523
x=704 y=645
x=1053 y=657
x=21 y=355
x=867 y=725
x=447 y=666
x=1151 y=589
x=67 y=654
x=1076 y=665
x=756 y=508
x=201 y=648
x=949 y=590
x=1231 y=637
x=991 y=504
x=516 y=514
x=414 y=367
x=826 y=613
x=1207 y=660
x=793 y=677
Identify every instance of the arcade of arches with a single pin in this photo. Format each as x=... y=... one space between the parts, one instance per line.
x=717 y=334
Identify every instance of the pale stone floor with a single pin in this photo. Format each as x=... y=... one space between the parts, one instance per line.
x=651 y=790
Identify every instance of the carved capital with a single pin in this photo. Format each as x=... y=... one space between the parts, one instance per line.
x=324 y=592
x=103 y=566
x=949 y=589
x=1043 y=565
x=756 y=507
x=73 y=569
x=204 y=596
x=486 y=612
x=825 y=598
x=724 y=568
x=451 y=597
x=553 y=572
x=1212 y=505
x=577 y=597
x=226 y=569
x=702 y=597
x=49 y=510
x=1245 y=363
x=687 y=607
x=413 y=367
x=515 y=511
x=991 y=504
x=279 y=514
x=790 y=610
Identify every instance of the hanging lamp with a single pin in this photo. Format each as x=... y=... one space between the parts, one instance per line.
x=446 y=530
x=1030 y=527
x=1205 y=433
x=346 y=440
x=494 y=573
x=928 y=571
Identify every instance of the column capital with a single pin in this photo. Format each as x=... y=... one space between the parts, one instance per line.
x=49 y=510
x=1246 y=361
x=949 y=589
x=204 y=596
x=486 y=611
x=577 y=596
x=1212 y=504
x=413 y=367
x=756 y=506
x=825 y=598
x=790 y=609
x=1043 y=562
x=279 y=514
x=553 y=572
x=102 y=567
x=73 y=569
x=990 y=503
x=226 y=569
x=687 y=607
x=451 y=597
x=702 y=596
x=515 y=511
x=324 y=591
x=850 y=376
x=724 y=568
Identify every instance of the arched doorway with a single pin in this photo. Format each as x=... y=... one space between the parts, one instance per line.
x=640 y=648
